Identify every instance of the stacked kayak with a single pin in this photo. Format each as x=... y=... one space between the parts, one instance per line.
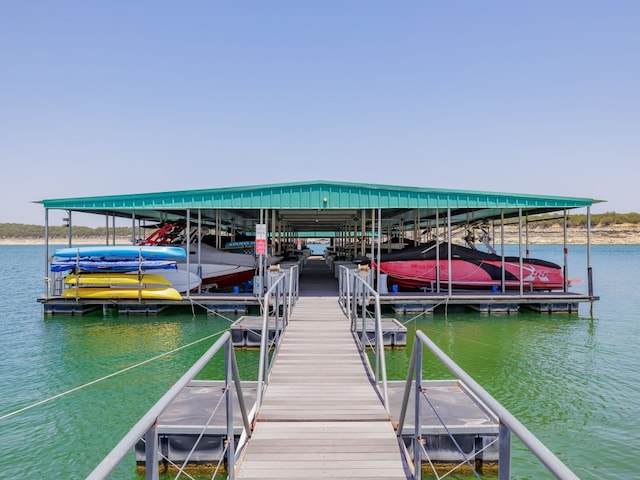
x=123 y=272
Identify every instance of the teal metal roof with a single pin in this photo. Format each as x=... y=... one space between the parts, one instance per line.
x=317 y=196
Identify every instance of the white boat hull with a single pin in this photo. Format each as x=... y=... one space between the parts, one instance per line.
x=180 y=279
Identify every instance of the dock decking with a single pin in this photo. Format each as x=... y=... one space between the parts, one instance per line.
x=321 y=416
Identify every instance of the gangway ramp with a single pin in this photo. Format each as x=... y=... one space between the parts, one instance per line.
x=321 y=415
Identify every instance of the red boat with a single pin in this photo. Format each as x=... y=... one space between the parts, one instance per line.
x=416 y=267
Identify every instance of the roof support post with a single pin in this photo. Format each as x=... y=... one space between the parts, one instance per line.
x=188 y=242
x=438 y=250
x=526 y=235
x=379 y=255
x=502 y=280
x=449 y=282
x=133 y=228
x=589 y=270
x=47 y=283
x=363 y=232
x=373 y=234
x=260 y=269
x=520 y=259
x=69 y=227
x=271 y=233
x=217 y=230
x=566 y=251
x=199 y=269
x=113 y=229
x=278 y=251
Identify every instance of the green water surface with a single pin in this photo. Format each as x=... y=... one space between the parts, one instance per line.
x=573 y=380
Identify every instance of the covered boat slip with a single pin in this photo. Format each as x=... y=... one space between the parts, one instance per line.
x=358 y=219
x=320 y=276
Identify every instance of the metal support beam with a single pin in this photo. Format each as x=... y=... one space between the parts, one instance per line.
x=151 y=453
x=504 y=452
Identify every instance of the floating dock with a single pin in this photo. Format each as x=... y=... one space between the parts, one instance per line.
x=247 y=332
x=188 y=418
x=320 y=279
x=486 y=302
x=204 y=302
x=471 y=425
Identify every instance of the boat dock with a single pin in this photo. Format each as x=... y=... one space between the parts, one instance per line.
x=321 y=410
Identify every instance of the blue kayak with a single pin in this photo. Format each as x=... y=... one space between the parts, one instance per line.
x=123 y=252
x=109 y=265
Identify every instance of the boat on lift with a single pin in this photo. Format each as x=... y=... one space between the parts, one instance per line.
x=426 y=265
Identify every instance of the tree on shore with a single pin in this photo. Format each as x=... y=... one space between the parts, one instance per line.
x=36 y=232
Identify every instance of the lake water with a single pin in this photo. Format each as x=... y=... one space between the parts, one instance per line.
x=573 y=380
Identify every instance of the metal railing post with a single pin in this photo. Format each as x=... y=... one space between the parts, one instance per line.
x=263 y=366
x=151 y=453
x=348 y=294
x=361 y=289
x=417 y=422
x=380 y=352
x=363 y=312
x=354 y=304
x=504 y=452
x=228 y=375
x=407 y=388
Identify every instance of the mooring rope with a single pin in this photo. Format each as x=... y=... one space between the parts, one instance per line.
x=430 y=310
x=208 y=310
x=93 y=382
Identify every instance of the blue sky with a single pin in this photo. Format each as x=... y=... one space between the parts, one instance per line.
x=117 y=97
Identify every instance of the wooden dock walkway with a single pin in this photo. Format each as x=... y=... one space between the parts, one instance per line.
x=321 y=416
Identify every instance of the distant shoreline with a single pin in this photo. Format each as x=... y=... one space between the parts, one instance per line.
x=619 y=234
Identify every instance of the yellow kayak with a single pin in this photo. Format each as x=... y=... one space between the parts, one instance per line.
x=160 y=293
x=124 y=279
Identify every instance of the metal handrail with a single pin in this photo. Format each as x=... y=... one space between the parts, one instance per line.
x=278 y=293
x=294 y=288
x=508 y=423
x=362 y=292
x=344 y=289
x=146 y=426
